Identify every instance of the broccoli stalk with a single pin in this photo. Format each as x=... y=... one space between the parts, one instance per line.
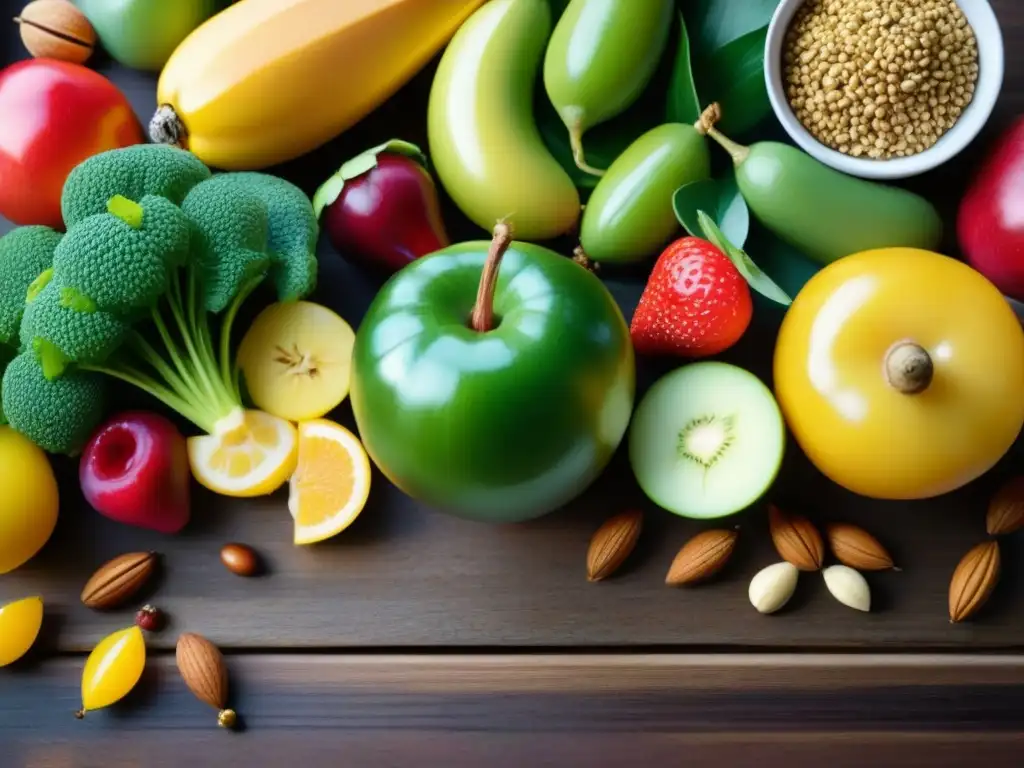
x=186 y=373
x=131 y=290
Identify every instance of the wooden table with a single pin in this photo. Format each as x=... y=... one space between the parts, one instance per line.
x=419 y=639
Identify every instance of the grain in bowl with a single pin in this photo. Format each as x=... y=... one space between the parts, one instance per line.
x=879 y=79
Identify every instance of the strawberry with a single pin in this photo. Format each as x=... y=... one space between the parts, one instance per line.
x=695 y=303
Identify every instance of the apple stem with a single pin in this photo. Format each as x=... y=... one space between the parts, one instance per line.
x=167 y=128
x=908 y=367
x=482 y=319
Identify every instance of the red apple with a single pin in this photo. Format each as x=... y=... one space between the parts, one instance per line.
x=53 y=115
x=135 y=470
x=991 y=221
x=382 y=208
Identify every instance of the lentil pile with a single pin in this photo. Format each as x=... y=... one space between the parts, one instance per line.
x=879 y=78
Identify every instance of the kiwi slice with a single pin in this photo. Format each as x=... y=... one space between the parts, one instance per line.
x=707 y=440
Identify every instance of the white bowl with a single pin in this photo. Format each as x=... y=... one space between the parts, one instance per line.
x=989 y=37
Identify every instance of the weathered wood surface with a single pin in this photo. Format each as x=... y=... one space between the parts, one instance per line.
x=600 y=710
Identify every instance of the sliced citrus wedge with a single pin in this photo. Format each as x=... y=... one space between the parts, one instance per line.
x=251 y=454
x=331 y=483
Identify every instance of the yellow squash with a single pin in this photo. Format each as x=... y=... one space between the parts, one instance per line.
x=266 y=81
x=900 y=373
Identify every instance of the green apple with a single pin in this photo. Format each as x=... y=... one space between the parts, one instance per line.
x=500 y=409
x=142 y=34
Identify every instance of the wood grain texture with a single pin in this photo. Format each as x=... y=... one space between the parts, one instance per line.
x=404 y=576
x=596 y=710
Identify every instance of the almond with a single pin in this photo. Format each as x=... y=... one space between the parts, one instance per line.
x=119 y=579
x=701 y=557
x=202 y=667
x=974 y=580
x=857 y=548
x=612 y=543
x=1006 y=510
x=796 y=539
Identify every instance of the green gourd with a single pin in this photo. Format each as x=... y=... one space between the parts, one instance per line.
x=822 y=212
x=629 y=215
x=601 y=56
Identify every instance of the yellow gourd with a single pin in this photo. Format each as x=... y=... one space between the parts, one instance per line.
x=900 y=373
x=20 y=623
x=265 y=81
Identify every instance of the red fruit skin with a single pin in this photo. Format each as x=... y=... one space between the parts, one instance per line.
x=389 y=216
x=990 y=224
x=695 y=304
x=54 y=115
x=135 y=470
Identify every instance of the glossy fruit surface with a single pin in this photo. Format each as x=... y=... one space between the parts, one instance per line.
x=331 y=482
x=707 y=440
x=826 y=214
x=501 y=425
x=695 y=303
x=113 y=668
x=29 y=501
x=484 y=144
x=900 y=373
x=629 y=215
x=142 y=34
x=382 y=208
x=601 y=56
x=252 y=455
x=55 y=115
x=135 y=470
x=265 y=81
x=297 y=360
x=20 y=622
x=990 y=223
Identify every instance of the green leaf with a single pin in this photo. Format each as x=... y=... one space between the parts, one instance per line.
x=722 y=201
x=734 y=77
x=789 y=268
x=683 y=101
x=716 y=23
x=757 y=279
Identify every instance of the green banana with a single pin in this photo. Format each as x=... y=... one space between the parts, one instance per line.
x=601 y=56
x=484 y=145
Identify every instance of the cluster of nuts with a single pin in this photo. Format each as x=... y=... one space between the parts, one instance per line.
x=879 y=78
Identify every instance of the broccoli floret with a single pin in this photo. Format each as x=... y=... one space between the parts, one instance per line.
x=60 y=328
x=293 y=232
x=132 y=172
x=121 y=262
x=59 y=415
x=144 y=265
x=231 y=227
x=25 y=252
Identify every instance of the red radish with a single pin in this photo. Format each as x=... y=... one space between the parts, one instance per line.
x=135 y=470
x=695 y=303
x=991 y=221
x=382 y=207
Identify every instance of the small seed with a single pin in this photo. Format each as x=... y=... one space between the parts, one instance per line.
x=240 y=559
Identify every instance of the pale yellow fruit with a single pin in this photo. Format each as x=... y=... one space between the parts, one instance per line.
x=297 y=360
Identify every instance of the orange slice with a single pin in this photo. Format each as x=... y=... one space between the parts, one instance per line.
x=331 y=483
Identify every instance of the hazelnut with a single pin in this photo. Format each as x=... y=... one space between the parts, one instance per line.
x=240 y=559
x=56 y=29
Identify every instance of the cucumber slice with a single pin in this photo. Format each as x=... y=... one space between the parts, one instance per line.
x=707 y=440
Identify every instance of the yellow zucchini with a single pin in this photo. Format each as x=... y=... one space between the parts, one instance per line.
x=265 y=81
